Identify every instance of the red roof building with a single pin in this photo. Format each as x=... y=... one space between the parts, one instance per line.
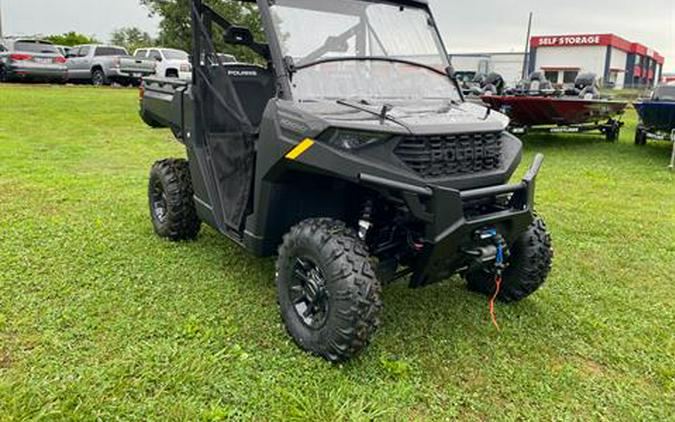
x=617 y=62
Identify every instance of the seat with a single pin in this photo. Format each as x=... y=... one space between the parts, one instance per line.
x=586 y=84
x=538 y=84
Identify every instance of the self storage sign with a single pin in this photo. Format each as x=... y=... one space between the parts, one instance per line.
x=568 y=40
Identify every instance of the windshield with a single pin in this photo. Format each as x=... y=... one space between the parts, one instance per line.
x=362 y=35
x=110 y=51
x=35 y=47
x=664 y=93
x=175 y=54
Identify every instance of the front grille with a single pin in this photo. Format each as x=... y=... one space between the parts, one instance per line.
x=451 y=155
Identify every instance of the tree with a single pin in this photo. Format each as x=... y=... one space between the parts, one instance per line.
x=132 y=38
x=176 y=31
x=71 y=38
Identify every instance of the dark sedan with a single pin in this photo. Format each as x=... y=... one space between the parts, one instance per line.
x=30 y=59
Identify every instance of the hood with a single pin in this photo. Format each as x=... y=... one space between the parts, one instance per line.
x=417 y=118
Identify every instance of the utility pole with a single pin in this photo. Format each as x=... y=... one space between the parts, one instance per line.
x=0 y=18
x=526 y=59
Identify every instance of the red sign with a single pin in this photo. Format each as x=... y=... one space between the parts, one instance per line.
x=569 y=40
x=585 y=40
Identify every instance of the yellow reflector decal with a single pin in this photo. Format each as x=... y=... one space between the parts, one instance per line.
x=300 y=149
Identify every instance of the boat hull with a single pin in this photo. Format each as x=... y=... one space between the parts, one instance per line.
x=656 y=115
x=547 y=111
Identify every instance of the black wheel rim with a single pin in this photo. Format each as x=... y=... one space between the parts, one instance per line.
x=158 y=201
x=308 y=293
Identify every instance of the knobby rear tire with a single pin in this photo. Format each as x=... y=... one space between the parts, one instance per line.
x=179 y=220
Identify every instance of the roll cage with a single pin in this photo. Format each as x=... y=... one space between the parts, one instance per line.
x=230 y=99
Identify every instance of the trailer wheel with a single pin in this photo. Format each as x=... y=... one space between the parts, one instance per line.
x=170 y=196
x=529 y=266
x=613 y=131
x=328 y=293
x=640 y=136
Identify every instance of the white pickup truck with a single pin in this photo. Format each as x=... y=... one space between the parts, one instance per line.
x=102 y=65
x=171 y=63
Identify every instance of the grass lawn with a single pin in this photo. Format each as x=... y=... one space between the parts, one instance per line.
x=101 y=319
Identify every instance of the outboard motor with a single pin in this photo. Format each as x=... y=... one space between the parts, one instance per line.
x=587 y=86
x=494 y=84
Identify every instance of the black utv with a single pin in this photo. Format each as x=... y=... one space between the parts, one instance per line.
x=353 y=157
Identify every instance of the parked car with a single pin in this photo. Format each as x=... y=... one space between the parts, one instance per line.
x=170 y=63
x=31 y=59
x=104 y=64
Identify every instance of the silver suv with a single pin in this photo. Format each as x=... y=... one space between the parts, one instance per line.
x=31 y=59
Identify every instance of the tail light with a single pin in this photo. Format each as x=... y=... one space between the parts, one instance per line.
x=20 y=57
x=60 y=60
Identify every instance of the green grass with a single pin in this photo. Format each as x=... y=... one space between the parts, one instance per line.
x=101 y=319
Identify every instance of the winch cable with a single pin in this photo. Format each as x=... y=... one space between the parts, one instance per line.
x=499 y=265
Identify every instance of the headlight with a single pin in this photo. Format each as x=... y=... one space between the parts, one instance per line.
x=185 y=67
x=351 y=140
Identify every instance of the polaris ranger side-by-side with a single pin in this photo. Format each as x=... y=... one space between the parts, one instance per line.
x=352 y=156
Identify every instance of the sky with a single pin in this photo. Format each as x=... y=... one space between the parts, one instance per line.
x=476 y=26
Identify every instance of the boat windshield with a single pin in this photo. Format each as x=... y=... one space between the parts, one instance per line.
x=362 y=49
x=665 y=93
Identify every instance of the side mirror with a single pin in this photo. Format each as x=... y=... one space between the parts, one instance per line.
x=450 y=70
x=158 y=58
x=237 y=35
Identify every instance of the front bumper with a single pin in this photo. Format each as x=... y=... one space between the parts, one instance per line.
x=450 y=228
x=41 y=72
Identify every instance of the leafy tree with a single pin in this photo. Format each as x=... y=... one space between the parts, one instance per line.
x=176 y=31
x=71 y=38
x=132 y=38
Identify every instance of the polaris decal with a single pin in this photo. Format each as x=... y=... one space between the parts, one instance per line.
x=242 y=73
